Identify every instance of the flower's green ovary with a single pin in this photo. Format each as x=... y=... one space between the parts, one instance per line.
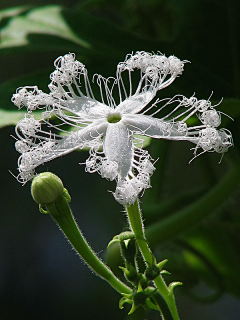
x=61 y=213
x=136 y=225
x=113 y=118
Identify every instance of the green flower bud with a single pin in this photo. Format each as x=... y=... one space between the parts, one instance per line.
x=130 y=274
x=126 y=235
x=46 y=188
x=127 y=243
x=144 y=282
x=152 y=272
x=141 y=298
x=129 y=250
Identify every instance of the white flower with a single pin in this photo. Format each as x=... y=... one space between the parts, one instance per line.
x=109 y=127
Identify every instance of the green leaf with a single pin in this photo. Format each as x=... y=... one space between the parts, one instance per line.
x=152 y=305
x=156 y=211
x=176 y=224
x=8 y=118
x=219 y=244
x=11 y=12
x=173 y=285
x=44 y=20
x=109 y=42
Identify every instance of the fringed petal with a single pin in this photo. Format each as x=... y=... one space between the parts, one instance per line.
x=84 y=107
x=156 y=72
x=136 y=103
x=36 y=154
x=157 y=128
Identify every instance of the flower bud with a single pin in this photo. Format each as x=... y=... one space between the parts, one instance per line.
x=130 y=274
x=46 y=188
x=151 y=272
x=129 y=250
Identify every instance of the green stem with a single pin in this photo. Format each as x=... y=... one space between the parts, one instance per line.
x=175 y=224
x=158 y=299
x=61 y=213
x=136 y=225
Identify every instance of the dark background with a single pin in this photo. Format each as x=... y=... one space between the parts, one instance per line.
x=40 y=276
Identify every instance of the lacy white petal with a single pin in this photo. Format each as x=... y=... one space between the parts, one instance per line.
x=118 y=147
x=48 y=150
x=156 y=128
x=136 y=103
x=81 y=138
x=86 y=107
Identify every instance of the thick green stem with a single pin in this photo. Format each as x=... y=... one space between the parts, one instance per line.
x=61 y=213
x=172 y=226
x=136 y=225
x=158 y=299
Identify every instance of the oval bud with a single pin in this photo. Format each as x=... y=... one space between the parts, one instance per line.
x=46 y=188
x=151 y=272
x=130 y=274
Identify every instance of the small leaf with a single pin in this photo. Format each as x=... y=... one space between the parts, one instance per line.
x=173 y=285
x=165 y=272
x=42 y=210
x=126 y=242
x=124 y=300
x=12 y=12
x=152 y=305
x=44 y=20
x=134 y=308
x=162 y=263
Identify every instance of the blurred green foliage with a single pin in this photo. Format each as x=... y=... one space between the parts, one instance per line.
x=101 y=33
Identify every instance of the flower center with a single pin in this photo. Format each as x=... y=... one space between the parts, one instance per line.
x=114 y=117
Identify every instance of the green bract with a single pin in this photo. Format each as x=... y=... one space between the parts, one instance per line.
x=46 y=188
